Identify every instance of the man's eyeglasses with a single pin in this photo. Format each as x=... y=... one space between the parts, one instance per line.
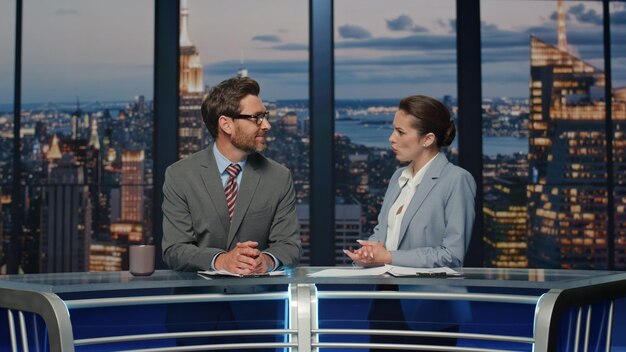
x=259 y=118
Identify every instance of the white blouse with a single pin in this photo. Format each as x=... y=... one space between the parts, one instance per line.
x=408 y=184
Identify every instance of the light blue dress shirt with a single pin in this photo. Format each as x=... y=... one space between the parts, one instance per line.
x=222 y=164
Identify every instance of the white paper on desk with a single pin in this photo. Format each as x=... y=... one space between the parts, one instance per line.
x=351 y=272
x=386 y=269
x=228 y=273
x=408 y=271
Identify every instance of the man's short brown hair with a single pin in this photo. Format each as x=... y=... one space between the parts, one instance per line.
x=225 y=99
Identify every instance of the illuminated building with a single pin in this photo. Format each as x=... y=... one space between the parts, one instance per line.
x=132 y=185
x=126 y=232
x=347 y=229
x=289 y=122
x=66 y=216
x=55 y=152
x=504 y=210
x=567 y=192
x=192 y=134
x=108 y=257
x=94 y=139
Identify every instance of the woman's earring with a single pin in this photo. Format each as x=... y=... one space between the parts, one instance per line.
x=424 y=145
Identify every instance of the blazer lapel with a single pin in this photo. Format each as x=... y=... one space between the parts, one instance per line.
x=428 y=182
x=249 y=182
x=213 y=183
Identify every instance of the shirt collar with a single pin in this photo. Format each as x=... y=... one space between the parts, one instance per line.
x=407 y=178
x=223 y=162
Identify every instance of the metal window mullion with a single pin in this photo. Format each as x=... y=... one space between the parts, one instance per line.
x=16 y=208
x=610 y=183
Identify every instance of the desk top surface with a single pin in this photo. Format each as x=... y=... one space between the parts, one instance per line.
x=471 y=277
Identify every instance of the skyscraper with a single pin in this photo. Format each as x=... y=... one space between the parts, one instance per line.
x=504 y=209
x=347 y=229
x=132 y=185
x=567 y=192
x=65 y=221
x=192 y=133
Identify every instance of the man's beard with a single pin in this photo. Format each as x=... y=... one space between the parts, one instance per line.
x=247 y=142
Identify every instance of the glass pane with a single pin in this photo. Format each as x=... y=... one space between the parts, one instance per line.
x=7 y=79
x=418 y=40
x=87 y=124
x=270 y=48
x=544 y=152
x=618 y=76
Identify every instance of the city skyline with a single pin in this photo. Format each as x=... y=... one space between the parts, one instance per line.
x=114 y=206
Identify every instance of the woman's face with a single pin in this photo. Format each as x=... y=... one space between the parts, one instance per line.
x=406 y=142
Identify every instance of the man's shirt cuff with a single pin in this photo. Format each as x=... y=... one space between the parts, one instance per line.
x=213 y=261
x=276 y=261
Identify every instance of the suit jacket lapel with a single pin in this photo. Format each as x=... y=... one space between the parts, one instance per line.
x=249 y=182
x=428 y=182
x=213 y=183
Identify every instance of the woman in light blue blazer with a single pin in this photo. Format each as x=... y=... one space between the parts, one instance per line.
x=428 y=212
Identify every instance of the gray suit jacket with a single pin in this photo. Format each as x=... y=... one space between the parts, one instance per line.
x=195 y=216
x=437 y=226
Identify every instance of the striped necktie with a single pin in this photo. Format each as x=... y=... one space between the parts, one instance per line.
x=231 y=188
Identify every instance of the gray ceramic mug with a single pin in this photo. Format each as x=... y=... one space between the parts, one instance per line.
x=141 y=259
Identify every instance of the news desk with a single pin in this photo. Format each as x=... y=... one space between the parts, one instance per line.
x=575 y=303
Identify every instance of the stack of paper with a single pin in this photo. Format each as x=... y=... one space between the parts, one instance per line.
x=386 y=269
x=208 y=273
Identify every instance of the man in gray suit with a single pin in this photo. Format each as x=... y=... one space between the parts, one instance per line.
x=230 y=208
x=227 y=206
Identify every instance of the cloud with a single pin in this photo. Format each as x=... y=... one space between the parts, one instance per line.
x=291 y=47
x=618 y=18
x=484 y=26
x=419 y=29
x=270 y=38
x=444 y=58
x=409 y=43
x=377 y=75
x=66 y=12
x=452 y=24
x=443 y=23
x=349 y=31
x=402 y=23
x=555 y=16
x=589 y=16
x=511 y=55
x=258 y=67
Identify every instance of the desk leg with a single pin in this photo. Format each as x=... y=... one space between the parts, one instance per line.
x=303 y=314
x=47 y=305
x=547 y=318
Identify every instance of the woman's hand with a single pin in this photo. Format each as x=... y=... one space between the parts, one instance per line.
x=370 y=254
